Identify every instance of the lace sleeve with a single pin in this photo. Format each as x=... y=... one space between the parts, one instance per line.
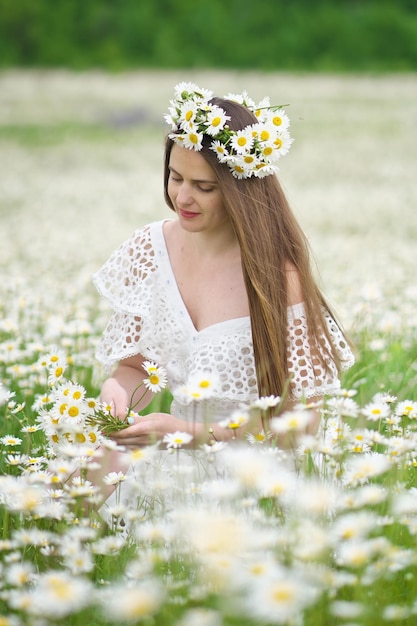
x=122 y=278
x=126 y=281
x=308 y=375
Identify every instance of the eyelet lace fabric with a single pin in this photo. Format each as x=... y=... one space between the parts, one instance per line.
x=150 y=318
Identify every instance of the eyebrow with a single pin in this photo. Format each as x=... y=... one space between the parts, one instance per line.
x=195 y=180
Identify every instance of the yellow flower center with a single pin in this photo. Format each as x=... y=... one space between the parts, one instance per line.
x=137 y=454
x=154 y=379
x=60 y=589
x=278 y=142
x=277 y=120
x=73 y=411
x=58 y=372
x=242 y=141
x=193 y=138
x=265 y=135
x=215 y=121
x=205 y=384
x=80 y=438
x=189 y=116
x=76 y=395
x=283 y=593
x=268 y=151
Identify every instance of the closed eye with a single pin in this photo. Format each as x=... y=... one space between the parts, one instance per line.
x=199 y=186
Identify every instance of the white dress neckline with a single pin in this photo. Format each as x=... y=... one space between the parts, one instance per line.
x=165 y=265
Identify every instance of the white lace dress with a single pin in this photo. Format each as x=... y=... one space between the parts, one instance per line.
x=151 y=318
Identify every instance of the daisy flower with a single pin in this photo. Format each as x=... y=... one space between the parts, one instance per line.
x=280 y=598
x=41 y=401
x=132 y=603
x=278 y=119
x=235 y=421
x=184 y=90
x=263 y=133
x=260 y=438
x=242 y=98
x=219 y=148
x=407 y=408
x=177 y=440
x=30 y=429
x=291 y=421
x=282 y=143
x=266 y=402
x=171 y=118
x=346 y=393
x=10 y=440
x=114 y=478
x=216 y=119
x=58 y=594
x=238 y=167
x=51 y=359
x=359 y=469
x=263 y=170
x=193 y=140
x=201 y=386
x=157 y=377
x=242 y=141
x=343 y=406
x=376 y=410
x=56 y=373
x=188 y=114
x=16 y=459
x=262 y=107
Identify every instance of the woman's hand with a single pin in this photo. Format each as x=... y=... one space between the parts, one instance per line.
x=115 y=395
x=149 y=429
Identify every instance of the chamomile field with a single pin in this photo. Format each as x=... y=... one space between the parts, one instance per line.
x=321 y=533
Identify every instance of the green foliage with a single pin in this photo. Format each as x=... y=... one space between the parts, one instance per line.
x=327 y=35
x=391 y=369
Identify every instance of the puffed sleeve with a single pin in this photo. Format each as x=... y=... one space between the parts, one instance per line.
x=126 y=282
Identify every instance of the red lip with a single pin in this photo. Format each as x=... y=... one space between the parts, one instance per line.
x=188 y=214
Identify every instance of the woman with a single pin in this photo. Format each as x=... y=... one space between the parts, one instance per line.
x=225 y=288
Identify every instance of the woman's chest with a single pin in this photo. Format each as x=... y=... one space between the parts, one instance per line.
x=212 y=293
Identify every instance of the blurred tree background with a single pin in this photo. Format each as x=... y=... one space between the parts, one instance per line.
x=294 y=35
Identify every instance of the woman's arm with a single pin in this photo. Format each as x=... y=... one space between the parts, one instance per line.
x=124 y=388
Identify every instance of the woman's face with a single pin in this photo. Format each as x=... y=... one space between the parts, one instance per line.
x=195 y=193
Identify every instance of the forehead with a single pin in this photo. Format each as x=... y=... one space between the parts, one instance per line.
x=190 y=163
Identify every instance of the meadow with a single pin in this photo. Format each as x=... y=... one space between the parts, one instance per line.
x=321 y=534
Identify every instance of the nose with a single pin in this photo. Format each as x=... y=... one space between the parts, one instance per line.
x=184 y=195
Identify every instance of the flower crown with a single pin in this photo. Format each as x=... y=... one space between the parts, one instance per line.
x=252 y=151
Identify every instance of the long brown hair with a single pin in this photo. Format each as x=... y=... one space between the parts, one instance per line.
x=270 y=239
